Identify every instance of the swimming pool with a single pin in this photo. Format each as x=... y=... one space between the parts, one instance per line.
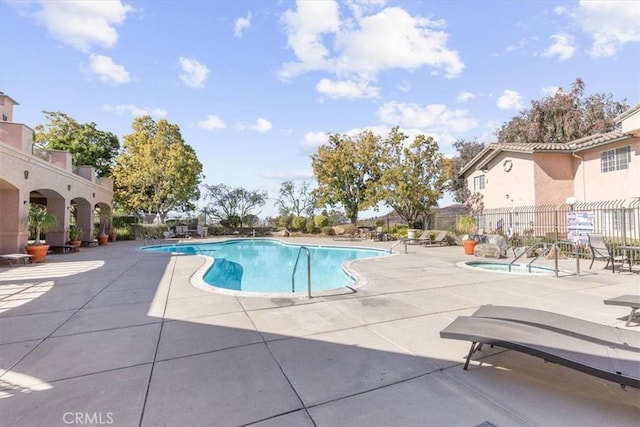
x=503 y=267
x=266 y=266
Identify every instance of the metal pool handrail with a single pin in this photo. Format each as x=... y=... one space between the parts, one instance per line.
x=293 y=275
x=545 y=251
x=523 y=253
x=397 y=243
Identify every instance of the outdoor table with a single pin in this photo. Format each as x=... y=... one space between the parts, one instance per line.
x=628 y=251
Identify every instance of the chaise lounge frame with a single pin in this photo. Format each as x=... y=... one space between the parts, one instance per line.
x=608 y=353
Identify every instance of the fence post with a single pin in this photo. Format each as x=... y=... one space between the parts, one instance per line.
x=624 y=226
x=556 y=251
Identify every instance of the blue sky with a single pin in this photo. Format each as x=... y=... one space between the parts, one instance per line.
x=255 y=86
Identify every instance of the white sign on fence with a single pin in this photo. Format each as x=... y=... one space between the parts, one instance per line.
x=579 y=224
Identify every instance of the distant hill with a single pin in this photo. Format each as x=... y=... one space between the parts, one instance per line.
x=394 y=218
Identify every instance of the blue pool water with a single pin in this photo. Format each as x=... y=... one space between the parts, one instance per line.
x=267 y=265
x=502 y=267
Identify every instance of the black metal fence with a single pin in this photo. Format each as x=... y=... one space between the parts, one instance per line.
x=618 y=220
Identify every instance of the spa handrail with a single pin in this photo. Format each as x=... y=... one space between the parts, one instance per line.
x=523 y=253
x=295 y=266
x=544 y=252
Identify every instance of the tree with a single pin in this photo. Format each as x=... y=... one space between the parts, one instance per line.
x=467 y=150
x=412 y=178
x=234 y=205
x=296 y=200
x=348 y=172
x=563 y=117
x=157 y=172
x=88 y=145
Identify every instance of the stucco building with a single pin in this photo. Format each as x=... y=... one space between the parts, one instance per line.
x=595 y=168
x=47 y=178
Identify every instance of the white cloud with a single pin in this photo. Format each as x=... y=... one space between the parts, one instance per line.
x=559 y=10
x=434 y=118
x=404 y=86
x=312 y=140
x=194 y=74
x=512 y=48
x=135 y=111
x=83 y=24
x=107 y=70
x=241 y=24
x=465 y=96
x=294 y=175
x=347 y=89
x=563 y=47
x=361 y=46
x=262 y=125
x=611 y=24
x=510 y=100
x=212 y=122
x=550 y=90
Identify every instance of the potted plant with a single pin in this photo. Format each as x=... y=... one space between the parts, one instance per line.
x=467 y=226
x=39 y=221
x=105 y=216
x=75 y=237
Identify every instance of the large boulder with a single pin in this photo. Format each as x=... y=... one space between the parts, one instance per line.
x=496 y=240
x=487 y=250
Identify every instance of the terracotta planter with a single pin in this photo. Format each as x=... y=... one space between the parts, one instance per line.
x=76 y=244
x=103 y=238
x=38 y=252
x=469 y=246
x=112 y=237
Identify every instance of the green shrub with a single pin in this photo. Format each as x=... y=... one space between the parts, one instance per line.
x=328 y=231
x=285 y=221
x=321 y=221
x=311 y=227
x=299 y=222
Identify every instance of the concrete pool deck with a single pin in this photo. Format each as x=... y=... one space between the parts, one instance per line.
x=114 y=335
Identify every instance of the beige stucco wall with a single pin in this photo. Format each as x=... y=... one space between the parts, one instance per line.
x=631 y=123
x=553 y=178
x=6 y=108
x=16 y=135
x=592 y=185
x=506 y=189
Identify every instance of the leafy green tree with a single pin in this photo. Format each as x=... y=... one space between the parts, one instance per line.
x=157 y=172
x=467 y=150
x=563 y=117
x=296 y=199
x=335 y=216
x=412 y=176
x=348 y=171
x=234 y=205
x=88 y=145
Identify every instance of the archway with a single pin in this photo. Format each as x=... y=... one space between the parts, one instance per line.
x=56 y=205
x=13 y=227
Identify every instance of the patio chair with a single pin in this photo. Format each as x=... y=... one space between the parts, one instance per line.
x=631 y=301
x=440 y=239
x=597 y=357
x=424 y=237
x=355 y=236
x=600 y=251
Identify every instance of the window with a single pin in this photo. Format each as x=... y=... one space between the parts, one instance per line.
x=616 y=159
x=478 y=183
